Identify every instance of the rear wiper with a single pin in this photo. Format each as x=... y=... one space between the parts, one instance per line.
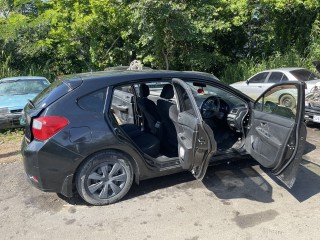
x=31 y=103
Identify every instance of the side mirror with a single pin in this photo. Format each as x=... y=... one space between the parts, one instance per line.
x=247 y=82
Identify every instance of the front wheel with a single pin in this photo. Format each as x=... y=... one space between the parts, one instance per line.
x=288 y=101
x=104 y=178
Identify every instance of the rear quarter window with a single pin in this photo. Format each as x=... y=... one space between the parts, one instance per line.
x=93 y=102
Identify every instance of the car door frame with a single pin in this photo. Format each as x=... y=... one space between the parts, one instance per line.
x=292 y=149
x=201 y=144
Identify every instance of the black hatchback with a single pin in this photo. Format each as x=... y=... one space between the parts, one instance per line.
x=96 y=133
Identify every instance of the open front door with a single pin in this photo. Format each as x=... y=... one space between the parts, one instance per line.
x=277 y=132
x=196 y=143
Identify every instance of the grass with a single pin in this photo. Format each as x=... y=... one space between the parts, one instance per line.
x=11 y=135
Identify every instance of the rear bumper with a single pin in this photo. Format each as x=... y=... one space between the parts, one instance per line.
x=46 y=170
x=310 y=113
x=10 y=120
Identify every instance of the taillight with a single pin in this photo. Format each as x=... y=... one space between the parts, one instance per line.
x=45 y=127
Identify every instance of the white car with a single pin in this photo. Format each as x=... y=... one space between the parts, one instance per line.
x=258 y=83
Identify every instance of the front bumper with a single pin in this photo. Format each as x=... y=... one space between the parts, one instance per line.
x=310 y=114
x=10 y=120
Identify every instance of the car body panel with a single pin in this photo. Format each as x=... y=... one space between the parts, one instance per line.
x=275 y=141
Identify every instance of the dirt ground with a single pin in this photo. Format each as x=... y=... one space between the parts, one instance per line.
x=234 y=201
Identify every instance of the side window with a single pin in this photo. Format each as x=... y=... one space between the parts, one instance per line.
x=284 y=78
x=94 y=101
x=184 y=100
x=259 y=78
x=275 y=77
x=280 y=100
x=127 y=89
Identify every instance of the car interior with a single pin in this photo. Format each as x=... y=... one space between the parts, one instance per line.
x=154 y=125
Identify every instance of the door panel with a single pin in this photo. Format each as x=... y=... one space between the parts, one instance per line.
x=188 y=130
x=268 y=134
x=122 y=106
x=276 y=134
x=196 y=144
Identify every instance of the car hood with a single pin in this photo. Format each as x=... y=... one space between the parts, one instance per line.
x=15 y=101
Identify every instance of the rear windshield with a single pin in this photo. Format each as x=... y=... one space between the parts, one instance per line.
x=55 y=91
x=304 y=75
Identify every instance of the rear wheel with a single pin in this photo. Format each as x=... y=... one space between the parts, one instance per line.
x=104 y=178
x=288 y=101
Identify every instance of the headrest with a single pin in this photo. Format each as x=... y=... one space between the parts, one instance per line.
x=144 y=90
x=167 y=92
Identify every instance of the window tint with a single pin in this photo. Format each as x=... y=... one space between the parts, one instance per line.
x=280 y=100
x=184 y=100
x=259 y=78
x=275 y=77
x=93 y=102
x=304 y=75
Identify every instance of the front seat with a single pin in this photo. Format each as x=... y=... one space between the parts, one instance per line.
x=148 y=109
x=169 y=133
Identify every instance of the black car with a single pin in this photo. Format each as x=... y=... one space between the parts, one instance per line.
x=95 y=133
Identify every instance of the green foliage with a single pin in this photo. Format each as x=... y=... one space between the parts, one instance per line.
x=231 y=38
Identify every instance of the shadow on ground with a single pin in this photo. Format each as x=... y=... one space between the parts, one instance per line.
x=307 y=183
x=230 y=181
x=226 y=181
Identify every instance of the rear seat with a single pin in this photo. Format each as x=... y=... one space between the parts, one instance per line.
x=148 y=143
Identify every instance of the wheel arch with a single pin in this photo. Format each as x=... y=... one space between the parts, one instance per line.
x=134 y=164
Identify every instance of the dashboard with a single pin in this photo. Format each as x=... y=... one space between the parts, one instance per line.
x=215 y=107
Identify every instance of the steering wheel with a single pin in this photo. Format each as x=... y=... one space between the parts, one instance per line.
x=210 y=107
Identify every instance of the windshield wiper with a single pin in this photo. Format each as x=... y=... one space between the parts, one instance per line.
x=31 y=103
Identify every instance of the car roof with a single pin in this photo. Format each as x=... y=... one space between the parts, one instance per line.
x=287 y=69
x=22 y=78
x=119 y=76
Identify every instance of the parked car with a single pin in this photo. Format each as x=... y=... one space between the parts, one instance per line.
x=258 y=83
x=14 y=95
x=312 y=110
x=96 y=133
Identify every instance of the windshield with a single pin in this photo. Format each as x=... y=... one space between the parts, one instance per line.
x=20 y=87
x=204 y=89
x=304 y=75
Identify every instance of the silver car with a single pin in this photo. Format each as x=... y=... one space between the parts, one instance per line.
x=258 y=83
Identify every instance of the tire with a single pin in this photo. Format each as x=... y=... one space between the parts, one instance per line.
x=288 y=101
x=104 y=178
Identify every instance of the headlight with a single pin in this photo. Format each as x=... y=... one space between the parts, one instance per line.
x=4 y=110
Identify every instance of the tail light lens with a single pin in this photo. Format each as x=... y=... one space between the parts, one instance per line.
x=45 y=127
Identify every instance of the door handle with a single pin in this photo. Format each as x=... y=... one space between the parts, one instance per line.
x=201 y=141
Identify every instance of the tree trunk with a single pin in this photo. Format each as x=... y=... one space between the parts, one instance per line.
x=165 y=55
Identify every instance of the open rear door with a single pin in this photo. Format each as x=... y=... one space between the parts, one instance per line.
x=277 y=133
x=196 y=143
